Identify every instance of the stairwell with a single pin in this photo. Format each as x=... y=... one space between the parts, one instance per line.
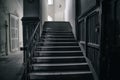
x=58 y=56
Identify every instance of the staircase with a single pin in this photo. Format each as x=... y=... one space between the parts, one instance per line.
x=57 y=55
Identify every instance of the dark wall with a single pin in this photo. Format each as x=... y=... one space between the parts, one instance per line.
x=31 y=9
x=83 y=6
x=110 y=49
x=78 y=7
x=86 y=5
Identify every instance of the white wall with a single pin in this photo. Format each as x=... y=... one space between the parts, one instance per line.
x=59 y=11
x=70 y=13
x=44 y=11
x=51 y=10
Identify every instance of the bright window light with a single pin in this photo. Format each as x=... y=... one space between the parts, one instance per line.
x=50 y=2
x=50 y=18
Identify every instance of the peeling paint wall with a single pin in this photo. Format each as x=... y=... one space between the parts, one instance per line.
x=14 y=7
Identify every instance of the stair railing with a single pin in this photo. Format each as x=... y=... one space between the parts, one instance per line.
x=29 y=49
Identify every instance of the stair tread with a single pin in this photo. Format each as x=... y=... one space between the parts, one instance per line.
x=61 y=68
x=57 y=31
x=55 y=61
x=58 y=51
x=58 y=60
x=59 y=64
x=57 y=46
x=68 y=57
x=60 y=73
x=57 y=36
x=59 y=42
x=58 y=39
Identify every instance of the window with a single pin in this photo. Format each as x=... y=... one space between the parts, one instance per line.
x=50 y=18
x=50 y=2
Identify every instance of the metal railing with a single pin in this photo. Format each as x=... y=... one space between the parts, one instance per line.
x=29 y=49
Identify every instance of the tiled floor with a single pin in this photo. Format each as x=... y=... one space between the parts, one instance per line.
x=11 y=66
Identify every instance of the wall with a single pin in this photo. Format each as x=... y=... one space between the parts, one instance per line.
x=70 y=13
x=110 y=40
x=51 y=10
x=31 y=9
x=59 y=10
x=14 y=7
x=87 y=5
x=44 y=11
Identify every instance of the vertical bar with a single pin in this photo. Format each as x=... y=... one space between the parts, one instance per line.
x=86 y=42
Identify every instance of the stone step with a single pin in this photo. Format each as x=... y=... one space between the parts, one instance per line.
x=60 y=68
x=59 y=49
x=78 y=75
x=58 y=59
x=57 y=53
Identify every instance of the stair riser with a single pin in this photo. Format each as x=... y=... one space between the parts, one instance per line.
x=57 y=33
x=58 y=40
x=54 y=44
x=81 y=60
x=49 y=31
x=58 y=49
x=63 y=77
x=60 y=68
x=57 y=54
x=57 y=36
x=57 y=45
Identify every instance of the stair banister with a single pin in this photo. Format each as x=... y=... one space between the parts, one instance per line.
x=31 y=34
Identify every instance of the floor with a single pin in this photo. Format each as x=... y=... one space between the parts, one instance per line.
x=11 y=66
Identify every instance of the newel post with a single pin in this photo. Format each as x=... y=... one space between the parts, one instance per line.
x=29 y=24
